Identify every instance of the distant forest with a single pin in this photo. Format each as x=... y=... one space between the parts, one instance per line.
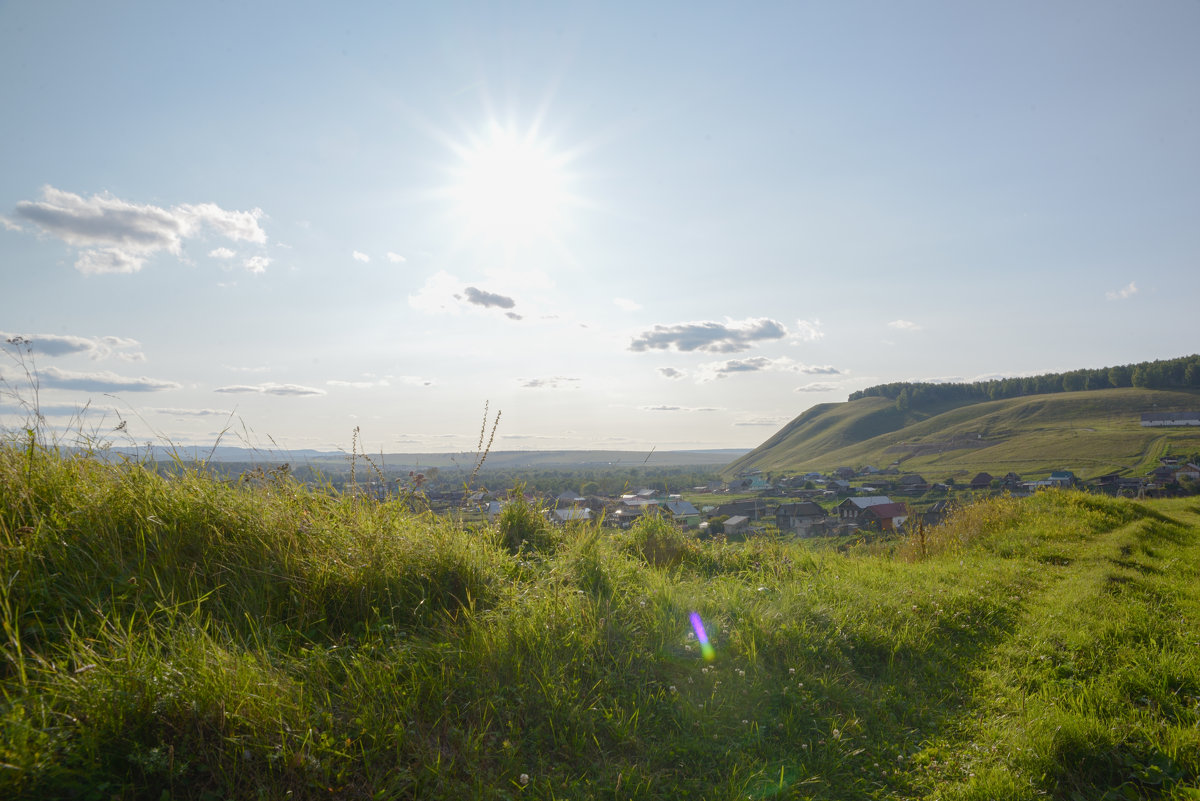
x=1181 y=373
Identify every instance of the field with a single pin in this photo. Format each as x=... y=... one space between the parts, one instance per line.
x=1090 y=433
x=197 y=639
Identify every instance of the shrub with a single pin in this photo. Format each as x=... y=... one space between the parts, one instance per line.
x=660 y=542
x=522 y=525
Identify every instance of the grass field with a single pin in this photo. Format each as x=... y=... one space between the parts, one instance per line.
x=1091 y=433
x=187 y=638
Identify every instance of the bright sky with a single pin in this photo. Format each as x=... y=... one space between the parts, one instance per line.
x=625 y=225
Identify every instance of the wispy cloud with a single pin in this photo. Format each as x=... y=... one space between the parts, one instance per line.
x=627 y=304
x=808 y=330
x=367 y=384
x=671 y=373
x=395 y=258
x=221 y=253
x=69 y=345
x=257 y=264
x=8 y=225
x=818 y=386
x=360 y=256
x=754 y=364
x=1123 y=293
x=555 y=382
x=178 y=412
x=101 y=381
x=117 y=236
x=731 y=336
x=270 y=388
x=761 y=421
x=904 y=325
x=668 y=408
x=416 y=381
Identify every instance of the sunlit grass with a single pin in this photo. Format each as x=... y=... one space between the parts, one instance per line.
x=189 y=638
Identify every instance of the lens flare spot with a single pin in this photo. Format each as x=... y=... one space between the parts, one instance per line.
x=705 y=646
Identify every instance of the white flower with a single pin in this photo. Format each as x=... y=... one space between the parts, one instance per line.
x=524 y=780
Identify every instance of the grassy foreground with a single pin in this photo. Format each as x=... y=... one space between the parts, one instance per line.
x=186 y=638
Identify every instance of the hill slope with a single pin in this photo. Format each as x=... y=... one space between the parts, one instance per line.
x=1091 y=433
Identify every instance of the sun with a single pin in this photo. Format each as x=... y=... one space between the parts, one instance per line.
x=510 y=188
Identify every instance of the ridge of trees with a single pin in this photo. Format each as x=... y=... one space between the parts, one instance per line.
x=1180 y=373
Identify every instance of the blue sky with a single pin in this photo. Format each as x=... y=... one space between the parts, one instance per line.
x=625 y=225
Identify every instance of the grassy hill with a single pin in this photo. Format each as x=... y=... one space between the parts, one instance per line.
x=189 y=638
x=1091 y=433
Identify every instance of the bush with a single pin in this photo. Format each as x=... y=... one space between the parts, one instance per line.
x=660 y=542
x=522 y=525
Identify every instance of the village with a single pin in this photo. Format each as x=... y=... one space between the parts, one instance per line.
x=842 y=502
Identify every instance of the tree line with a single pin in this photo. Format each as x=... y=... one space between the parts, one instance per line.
x=1181 y=373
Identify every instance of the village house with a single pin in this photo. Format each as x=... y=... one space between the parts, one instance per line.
x=884 y=516
x=1171 y=418
x=682 y=512
x=737 y=526
x=912 y=483
x=852 y=508
x=801 y=518
x=570 y=514
x=982 y=481
x=751 y=508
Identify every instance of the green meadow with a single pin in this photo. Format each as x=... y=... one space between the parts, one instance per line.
x=177 y=636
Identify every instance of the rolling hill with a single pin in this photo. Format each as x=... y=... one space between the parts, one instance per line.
x=1090 y=432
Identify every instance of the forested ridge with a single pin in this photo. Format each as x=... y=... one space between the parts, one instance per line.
x=1180 y=373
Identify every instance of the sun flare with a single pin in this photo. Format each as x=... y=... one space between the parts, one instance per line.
x=510 y=188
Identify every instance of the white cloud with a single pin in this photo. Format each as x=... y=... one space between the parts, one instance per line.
x=904 y=325
x=67 y=344
x=117 y=236
x=731 y=336
x=221 y=253
x=101 y=381
x=360 y=256
x=556 y=382
x=809 y=330
x=761 y=421
x=756 y=364
x=107 y=262
x=188 y=412
x=443 y=293
x=668 y=408
x=257 y=264
x=370 y=384
x=627 y=304
x=270 y=388
x=395 y=258
x=819 y=386
x=1123 y=292
x=416 y=381
x=440 y=294
x=671 y=373
x=8 y=225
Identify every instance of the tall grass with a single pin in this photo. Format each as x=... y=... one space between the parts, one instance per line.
x=174 y=635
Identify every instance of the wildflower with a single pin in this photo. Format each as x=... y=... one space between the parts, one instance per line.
x=524 y=780
x=792 y=671
x=672 y=688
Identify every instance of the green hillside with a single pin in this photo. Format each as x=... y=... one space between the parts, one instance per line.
x=1092 y=433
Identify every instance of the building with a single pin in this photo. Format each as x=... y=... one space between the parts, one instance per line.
x=1171 y=418
x=801 y=518
x=852 y=508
